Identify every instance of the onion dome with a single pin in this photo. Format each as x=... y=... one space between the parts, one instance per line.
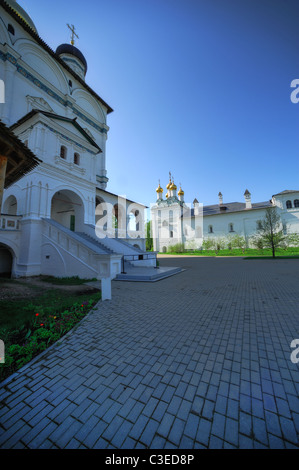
x=73 y=58
x=181 y=192
x=173 y=187
x=169 y=184
x=159 y=189
x=21 y=13
x=166 y=195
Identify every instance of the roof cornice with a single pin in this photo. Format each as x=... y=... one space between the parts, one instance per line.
x=50 y=51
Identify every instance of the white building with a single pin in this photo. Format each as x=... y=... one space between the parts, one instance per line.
x=48 y=217
x=174 y=221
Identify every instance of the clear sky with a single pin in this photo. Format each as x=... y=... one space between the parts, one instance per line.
x=200 y=88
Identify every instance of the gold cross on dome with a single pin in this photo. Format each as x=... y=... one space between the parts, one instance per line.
x=72 y=28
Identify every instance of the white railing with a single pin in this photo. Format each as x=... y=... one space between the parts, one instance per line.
x=10 y=222
x=91 y=257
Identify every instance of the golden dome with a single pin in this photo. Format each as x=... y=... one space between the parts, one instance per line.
x=173 y=187
x=166 y=195
x=159 y=189
x=169 y=184
x=181 y=192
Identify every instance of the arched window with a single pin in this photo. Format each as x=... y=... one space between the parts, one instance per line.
x=231 y=227
x=76 y=159
x=296 y=203
x=11 y=29
x=63 y=152
x=210 y=229
x=289 y=204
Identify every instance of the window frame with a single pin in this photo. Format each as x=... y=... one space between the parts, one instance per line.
x=77 y=157
x=63 y=152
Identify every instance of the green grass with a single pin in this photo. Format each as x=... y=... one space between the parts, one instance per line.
x=251 y=252
x=28 y=326
x=66 y=281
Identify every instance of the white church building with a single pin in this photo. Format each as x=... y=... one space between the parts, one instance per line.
x=174 y=221
x=48 y=220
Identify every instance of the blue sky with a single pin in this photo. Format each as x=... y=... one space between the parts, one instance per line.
x=200 y=88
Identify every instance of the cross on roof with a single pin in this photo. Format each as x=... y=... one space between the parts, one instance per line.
x=72 y=28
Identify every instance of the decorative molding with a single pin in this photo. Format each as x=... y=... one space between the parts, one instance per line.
x=89 y=133
x=69 y=166
x=66 y=137
x=10 y=58
x=39 y=103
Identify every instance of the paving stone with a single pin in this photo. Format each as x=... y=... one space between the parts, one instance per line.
x=176 y=431
x=190 y=377
x=203 y=431
x=288 y=430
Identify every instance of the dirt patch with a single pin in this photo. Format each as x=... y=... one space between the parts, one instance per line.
x=25 y=288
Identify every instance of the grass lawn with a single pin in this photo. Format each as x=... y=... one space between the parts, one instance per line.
x=17 y=313
x=288 y=253
x=30 y=324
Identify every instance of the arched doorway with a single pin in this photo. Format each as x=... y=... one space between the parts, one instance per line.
x=67 y=209
x=6 y=261
x=10 y=206
x=119 y=221
x=101 y=211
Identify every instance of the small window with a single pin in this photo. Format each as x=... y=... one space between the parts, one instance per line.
x=289 y=204
x=63 y=152
x=11 y=29
x=210 y=229
x=231 y=227
x=76 y=159
x=70 y=83
x=171 y=234
x=296 y=203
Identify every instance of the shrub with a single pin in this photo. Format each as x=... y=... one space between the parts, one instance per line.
x=44 y=329
x=208 y=244
x=177 y=248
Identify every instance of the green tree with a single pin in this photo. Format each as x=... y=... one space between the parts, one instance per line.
x=293 y=239
x=208 y=244
x=238 y=242
x=220 y=243
x=149 y=245
x=270 y=234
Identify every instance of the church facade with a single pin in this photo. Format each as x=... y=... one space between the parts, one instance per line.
x=174 y=221
x=60 y=219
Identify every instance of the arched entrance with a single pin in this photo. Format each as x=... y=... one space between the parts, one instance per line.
x=101 y=212
x=10 y=206
x=119 y=221
x=6 y=261
x=67 y=209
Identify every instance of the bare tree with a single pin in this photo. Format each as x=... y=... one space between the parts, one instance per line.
x=270 y=234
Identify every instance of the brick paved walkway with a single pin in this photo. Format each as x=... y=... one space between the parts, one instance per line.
x=201 y=359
